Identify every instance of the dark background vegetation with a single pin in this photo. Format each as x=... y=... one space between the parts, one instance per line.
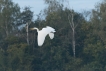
x=56 y=54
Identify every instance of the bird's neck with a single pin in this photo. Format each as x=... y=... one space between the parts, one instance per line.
x=37 y=29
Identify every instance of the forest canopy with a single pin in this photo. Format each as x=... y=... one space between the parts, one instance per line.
x=78 y=45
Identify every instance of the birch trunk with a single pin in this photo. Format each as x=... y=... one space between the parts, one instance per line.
x=73 y=33
x=73 y=42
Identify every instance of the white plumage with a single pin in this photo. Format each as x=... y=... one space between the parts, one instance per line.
x=43 y=33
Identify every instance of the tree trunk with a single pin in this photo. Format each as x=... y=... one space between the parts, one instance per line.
x=73 y=42
x=73 y=33
x=27 y=33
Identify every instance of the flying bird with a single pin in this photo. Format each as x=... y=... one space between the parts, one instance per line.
x=43 y=33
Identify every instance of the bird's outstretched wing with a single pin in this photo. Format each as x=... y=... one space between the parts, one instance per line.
x=51 y=32
x=50 y=29
x=43 y=33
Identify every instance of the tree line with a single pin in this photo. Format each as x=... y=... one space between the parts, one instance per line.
x=78 y=45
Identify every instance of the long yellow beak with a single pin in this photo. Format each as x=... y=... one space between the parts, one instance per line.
x=32 y=29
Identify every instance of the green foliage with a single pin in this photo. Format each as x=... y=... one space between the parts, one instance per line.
x=26 y=15
x=56 y=54
x=9 y=14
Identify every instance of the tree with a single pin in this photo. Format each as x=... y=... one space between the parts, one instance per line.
x=94 y=45
x=9 y=14
x=27 y=16
x=75 y=19
x=53 y=6
x=73 y=26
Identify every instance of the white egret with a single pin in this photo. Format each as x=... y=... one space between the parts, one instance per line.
x=43 y=33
